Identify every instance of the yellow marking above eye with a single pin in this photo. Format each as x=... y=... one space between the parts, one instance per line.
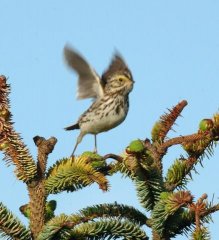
x=122 y=78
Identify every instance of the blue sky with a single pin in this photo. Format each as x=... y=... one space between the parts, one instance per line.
x=172 y=48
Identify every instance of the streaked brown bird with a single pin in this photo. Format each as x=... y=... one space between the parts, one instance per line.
x=110 y=93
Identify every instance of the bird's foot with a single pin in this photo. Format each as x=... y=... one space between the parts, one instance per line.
x=72 y=155
x=95 y=151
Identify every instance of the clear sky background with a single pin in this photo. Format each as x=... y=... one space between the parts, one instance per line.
x=172 y=48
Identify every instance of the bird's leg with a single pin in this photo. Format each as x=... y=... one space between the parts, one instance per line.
x=78 y=141
x=95 y=143
x=74 y=149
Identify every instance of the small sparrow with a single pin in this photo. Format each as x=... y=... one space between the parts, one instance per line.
x=110 y=93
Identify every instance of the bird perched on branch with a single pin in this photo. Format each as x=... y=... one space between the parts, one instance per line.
x=110 y=93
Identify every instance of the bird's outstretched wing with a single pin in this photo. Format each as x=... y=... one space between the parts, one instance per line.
x=89 y=83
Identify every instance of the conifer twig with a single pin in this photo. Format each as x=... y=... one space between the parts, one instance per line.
x=179 y=140
x=113 y=156
x=11 y=142
x=36 y=188
x=168 y=120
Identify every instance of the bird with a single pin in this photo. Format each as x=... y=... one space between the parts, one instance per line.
x=110 y=94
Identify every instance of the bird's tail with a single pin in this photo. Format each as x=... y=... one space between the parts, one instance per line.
x=72 y=127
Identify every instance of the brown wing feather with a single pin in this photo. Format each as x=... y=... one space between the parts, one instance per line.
x=89 y=83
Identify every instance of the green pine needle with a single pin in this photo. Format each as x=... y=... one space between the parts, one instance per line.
x=11 y=227
x=108 y=229
x=73 y=174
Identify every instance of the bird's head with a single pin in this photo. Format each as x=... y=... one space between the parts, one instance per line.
x=118 y=77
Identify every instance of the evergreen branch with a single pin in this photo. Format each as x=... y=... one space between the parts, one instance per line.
x=164 y=125
x=10 y=141
x=45 y=147
x=145 y=175
x=198 y=208
x=176 y=174
x=154 y=154
x=177 y=200
x=113 y=156
x=11 y=227
x=201 y=234
x=111 y=168
x=62 y=225
x=168 y=208
x=148 y=191
x=55 y=228
x=189 y=140
x=71 y=174
x=124 y=164
x=216 y=126
x=114 y=210
x=198 y=147
x=210 y=210
x=36 y=188
x=121 y=168
x=197 y=150
x=156 y=150
x=181 y=140
x=108 y=229
x=184 y=220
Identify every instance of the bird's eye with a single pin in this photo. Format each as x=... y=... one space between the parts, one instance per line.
x=120 y=79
